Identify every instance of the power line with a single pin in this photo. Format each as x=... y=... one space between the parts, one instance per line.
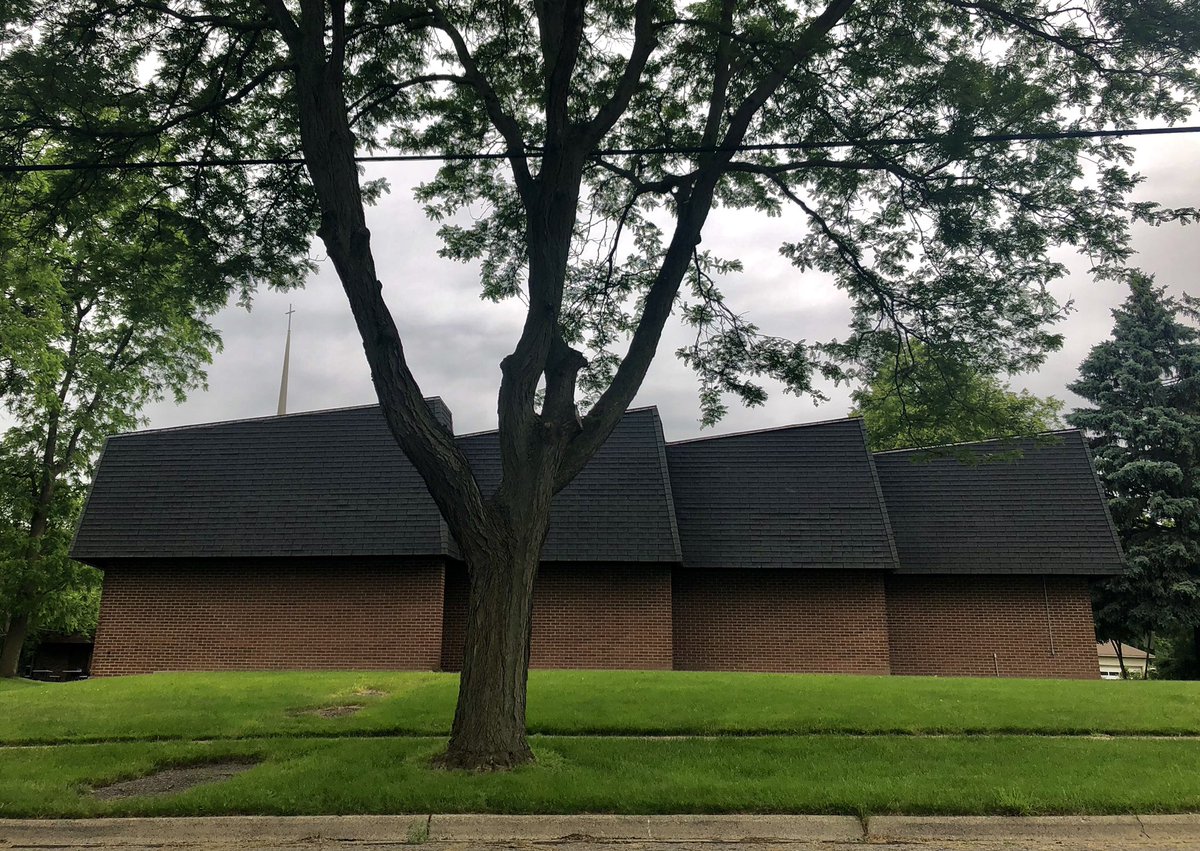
x=536 y=153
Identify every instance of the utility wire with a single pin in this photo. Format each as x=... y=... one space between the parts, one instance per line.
x=536 y=153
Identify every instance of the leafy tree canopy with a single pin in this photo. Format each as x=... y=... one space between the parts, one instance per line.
x=946 y=240
x=914 y=398
x=1144 y=428
x=105 y=290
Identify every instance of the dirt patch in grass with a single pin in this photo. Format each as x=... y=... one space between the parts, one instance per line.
x=370 y=692
x=343 y=711
x=170 y=781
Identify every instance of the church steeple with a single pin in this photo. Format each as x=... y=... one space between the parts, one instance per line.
x=287 y=350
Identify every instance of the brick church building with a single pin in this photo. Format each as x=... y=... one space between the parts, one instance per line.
x=308 y=541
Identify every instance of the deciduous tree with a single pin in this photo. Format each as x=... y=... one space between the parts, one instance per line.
x=912 y=397
x=106 y=289
x=591 y=140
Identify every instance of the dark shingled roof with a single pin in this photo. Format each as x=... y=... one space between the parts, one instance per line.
x=334 y=483
x=801 y=496
x=1040 y=512
x=617 y=509
x=320 y=484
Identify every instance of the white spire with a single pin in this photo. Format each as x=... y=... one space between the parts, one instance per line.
x=287 y=351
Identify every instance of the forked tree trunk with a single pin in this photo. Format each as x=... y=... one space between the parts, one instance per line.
x=489 y=721
x=14 y=640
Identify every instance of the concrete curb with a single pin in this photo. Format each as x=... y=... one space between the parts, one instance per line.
x=225 y=830
x=1167 y=828
x=279 y=831
x=415 y=829
x=734 y=828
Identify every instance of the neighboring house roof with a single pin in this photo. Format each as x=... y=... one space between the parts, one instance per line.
x=800 y=496
x=335 y=484
x=1035 y=507
x=1108 y=650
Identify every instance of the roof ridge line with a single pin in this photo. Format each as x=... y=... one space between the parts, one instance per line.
x=832 y=421
x=1055 y=431
x=215 y=423
x=637 y=410
x=883 y=509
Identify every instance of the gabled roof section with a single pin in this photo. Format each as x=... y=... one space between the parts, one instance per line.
x=801 y=496
x=1034 y=507
x=322 y=484
x=619 y=506
x=334 y=483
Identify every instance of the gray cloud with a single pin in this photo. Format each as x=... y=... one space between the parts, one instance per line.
x=455 y=341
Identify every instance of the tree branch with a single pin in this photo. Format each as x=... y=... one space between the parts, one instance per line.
x=328 y=147
x=561 y=23
x=692 y=213
x=505 y=123
x=644 y=41
x=721 y=77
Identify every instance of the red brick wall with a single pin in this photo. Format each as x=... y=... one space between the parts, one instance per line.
x=584 y=616
x=780 y=620
x=314 y=615
x=256 y=616
x=951 y=626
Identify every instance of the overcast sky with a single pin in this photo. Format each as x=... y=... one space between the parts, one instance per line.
x=455 y=341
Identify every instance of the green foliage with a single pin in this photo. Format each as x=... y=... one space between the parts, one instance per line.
x=1176 y=656
x=912 y=397
x=947 y=241
x=1144 y=428
x=105 y=292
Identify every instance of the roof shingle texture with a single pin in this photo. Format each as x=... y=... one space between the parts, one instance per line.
x=803 y=496
x=1039 y=512
x=617 y=509
x=335 y=483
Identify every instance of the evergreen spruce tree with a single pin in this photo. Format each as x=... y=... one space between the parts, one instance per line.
x=1144 y=429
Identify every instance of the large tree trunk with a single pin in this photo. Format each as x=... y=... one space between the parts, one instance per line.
x=14 y=640
x=489 y=722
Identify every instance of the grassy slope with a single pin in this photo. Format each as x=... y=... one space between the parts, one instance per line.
x=261 y=715
x=835 y=774
x=187 y=706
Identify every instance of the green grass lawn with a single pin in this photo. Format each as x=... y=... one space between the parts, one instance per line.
x=810 y=774
x=229 y=705
x=771 y=743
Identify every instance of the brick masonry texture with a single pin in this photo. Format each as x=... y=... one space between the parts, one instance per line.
x=780 y=620
x=951 y=626
x=388 y=614
x=584 y=616
x=262 y=616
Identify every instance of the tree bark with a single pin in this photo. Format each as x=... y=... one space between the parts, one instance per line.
x=489 y=722
x=14 y=640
